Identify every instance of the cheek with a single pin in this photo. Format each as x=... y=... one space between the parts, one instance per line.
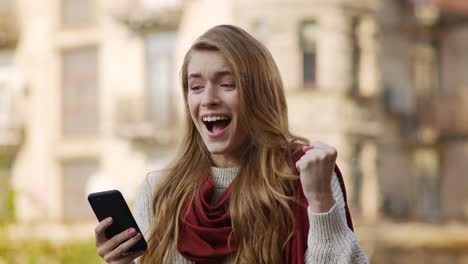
x=191 y=102
x=235 y=105
x=192 y=109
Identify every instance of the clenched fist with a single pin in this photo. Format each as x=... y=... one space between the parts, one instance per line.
x=316 y=169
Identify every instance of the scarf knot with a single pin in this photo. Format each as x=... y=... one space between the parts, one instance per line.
x=205 y=230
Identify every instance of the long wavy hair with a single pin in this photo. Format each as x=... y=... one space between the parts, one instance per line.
x=261 y=217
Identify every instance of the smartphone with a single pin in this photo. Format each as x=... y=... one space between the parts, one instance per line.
x=112 y=204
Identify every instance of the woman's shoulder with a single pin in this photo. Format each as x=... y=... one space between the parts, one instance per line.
x=150 y=181
x=144 y=198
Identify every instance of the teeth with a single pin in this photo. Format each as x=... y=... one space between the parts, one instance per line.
x=214 y=118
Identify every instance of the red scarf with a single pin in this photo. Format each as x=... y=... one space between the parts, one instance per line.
x=205 y=229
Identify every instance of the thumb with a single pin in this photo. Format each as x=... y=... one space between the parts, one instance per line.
x=306 y=148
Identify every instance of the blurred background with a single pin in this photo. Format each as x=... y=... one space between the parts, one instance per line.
x=90 y=100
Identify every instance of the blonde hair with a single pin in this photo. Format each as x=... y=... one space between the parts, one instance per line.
x=261 y=218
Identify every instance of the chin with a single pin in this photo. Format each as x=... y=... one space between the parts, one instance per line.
x=217 y=150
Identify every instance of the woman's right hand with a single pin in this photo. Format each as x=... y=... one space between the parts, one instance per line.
x=113 y=250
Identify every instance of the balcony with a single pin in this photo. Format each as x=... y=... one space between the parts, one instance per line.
x=441 y=12
x=437 y=119
x=136 y=126
x=149 y=15
x=448 y=115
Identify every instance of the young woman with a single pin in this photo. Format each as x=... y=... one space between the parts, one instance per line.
x=243 y=189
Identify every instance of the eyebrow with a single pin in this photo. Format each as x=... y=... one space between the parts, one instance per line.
x=218 y=74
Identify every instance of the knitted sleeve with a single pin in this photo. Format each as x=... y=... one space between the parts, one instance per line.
x=142 y=210
x=330 y=240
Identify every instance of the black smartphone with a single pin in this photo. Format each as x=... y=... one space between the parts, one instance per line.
x=112 y=204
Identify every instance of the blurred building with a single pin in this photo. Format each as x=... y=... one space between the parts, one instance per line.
x=11 y=87
x=97 y=89
x=423 y=54
x=423 y=145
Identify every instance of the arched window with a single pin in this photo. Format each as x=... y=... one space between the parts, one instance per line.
x=308 y=38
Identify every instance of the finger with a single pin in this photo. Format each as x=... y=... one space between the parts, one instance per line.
x=99 y=231
x=119 y=252
x=118 y=239
x=324 y=146
x=320 y=144
x=329 y=150
x=309 y=159
x=299 y=165
x=128 y=258
x=306 y=148
x=311 y=154
x=314 y=153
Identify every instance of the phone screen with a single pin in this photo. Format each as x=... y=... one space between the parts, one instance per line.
x=112 y=204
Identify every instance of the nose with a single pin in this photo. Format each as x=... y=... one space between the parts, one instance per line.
x=210 y=96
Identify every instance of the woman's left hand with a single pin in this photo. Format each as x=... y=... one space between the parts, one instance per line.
x=316 y=169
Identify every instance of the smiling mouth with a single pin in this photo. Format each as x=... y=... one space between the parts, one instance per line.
x=216 y=124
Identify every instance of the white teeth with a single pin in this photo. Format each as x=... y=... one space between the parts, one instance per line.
x=214 y=118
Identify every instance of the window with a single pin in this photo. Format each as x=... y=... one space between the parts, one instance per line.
x=453 y=61
x=77 y=12
x=260 y=29
x=159 y=107
x=76 y=174
x=426 y=68
x=8 y=25
x=80 y=95
x=357 y=176
x=308 y=37
x=5 y=5
x=426 y=162
x=9 y=119
x=356 y=54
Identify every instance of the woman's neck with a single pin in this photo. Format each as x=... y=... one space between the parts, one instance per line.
x=225 y=161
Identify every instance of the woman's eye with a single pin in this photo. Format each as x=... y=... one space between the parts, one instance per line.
x=195 y=88
x=228 y=85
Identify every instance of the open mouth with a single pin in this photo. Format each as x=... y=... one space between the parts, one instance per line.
x=216 y=124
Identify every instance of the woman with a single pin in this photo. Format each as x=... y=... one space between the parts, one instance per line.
x=243 y=188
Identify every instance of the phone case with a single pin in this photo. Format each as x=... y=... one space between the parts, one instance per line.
x=112 y=204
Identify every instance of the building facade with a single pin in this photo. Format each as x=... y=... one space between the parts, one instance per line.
x=96 y=90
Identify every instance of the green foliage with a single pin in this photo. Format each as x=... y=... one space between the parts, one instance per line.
x=41 y=252
x=8 y=207
x=7 y=194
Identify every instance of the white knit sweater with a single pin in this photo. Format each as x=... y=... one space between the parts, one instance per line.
x=330 y=240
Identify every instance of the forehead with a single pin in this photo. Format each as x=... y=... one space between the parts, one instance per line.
x=206 y=63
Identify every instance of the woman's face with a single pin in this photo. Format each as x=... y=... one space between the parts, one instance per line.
x=213 y=101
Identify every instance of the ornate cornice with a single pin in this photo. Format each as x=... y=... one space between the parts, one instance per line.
x=142 y=21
